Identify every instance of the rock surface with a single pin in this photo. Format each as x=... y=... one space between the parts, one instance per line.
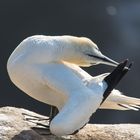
x=14 y=126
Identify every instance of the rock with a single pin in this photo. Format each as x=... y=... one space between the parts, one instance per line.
x=14 y=126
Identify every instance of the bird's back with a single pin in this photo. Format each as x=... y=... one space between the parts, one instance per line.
x=24 y=72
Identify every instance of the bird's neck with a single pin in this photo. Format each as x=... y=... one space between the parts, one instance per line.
x=61 y=50
x=58 y=49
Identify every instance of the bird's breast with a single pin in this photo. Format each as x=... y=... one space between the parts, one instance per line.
x=28 y=79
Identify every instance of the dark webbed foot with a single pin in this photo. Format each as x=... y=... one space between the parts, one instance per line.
x=42 y=124
x=29 y=117
x=114 y=78
x=54 y=111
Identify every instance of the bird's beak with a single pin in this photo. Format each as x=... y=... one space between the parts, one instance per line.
x=108 y=61
x=102 y=59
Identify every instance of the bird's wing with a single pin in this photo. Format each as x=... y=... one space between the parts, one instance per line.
x=83 y=75
x=61 y=78
x=81 y=101
x=116 y=100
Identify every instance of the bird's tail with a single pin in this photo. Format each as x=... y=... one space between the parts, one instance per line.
x=118 y=101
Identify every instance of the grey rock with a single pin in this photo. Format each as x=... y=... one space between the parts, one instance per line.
x=14 y=126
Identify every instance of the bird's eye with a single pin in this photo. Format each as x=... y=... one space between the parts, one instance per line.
x=90 y=55
x=97 y=48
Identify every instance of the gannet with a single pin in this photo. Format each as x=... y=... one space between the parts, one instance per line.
x=47 y=68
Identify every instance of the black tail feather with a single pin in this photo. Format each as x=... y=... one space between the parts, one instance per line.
x=114 y=78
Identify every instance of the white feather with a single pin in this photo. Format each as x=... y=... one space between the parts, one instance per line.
x=118 y=101
x=47 y=69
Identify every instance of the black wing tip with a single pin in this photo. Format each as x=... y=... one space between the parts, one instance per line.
x=125 y=62
x=114 y=78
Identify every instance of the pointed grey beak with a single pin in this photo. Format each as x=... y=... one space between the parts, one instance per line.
x=108 y=61
x=104 y=60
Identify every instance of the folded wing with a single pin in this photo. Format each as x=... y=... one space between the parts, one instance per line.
x=80 y=101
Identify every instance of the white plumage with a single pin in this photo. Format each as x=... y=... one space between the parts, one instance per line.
x=47 y=69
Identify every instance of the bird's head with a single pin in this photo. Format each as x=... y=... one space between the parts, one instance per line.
x=86 y=53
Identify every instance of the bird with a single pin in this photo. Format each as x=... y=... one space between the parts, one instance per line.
x=48 y=68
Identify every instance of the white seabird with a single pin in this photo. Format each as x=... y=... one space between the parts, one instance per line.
x=47 y=69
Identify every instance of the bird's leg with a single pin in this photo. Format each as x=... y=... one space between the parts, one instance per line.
x=114 y=78
x=52 y=114
x=54 y=111
x=41 y=128
x=44 y=129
